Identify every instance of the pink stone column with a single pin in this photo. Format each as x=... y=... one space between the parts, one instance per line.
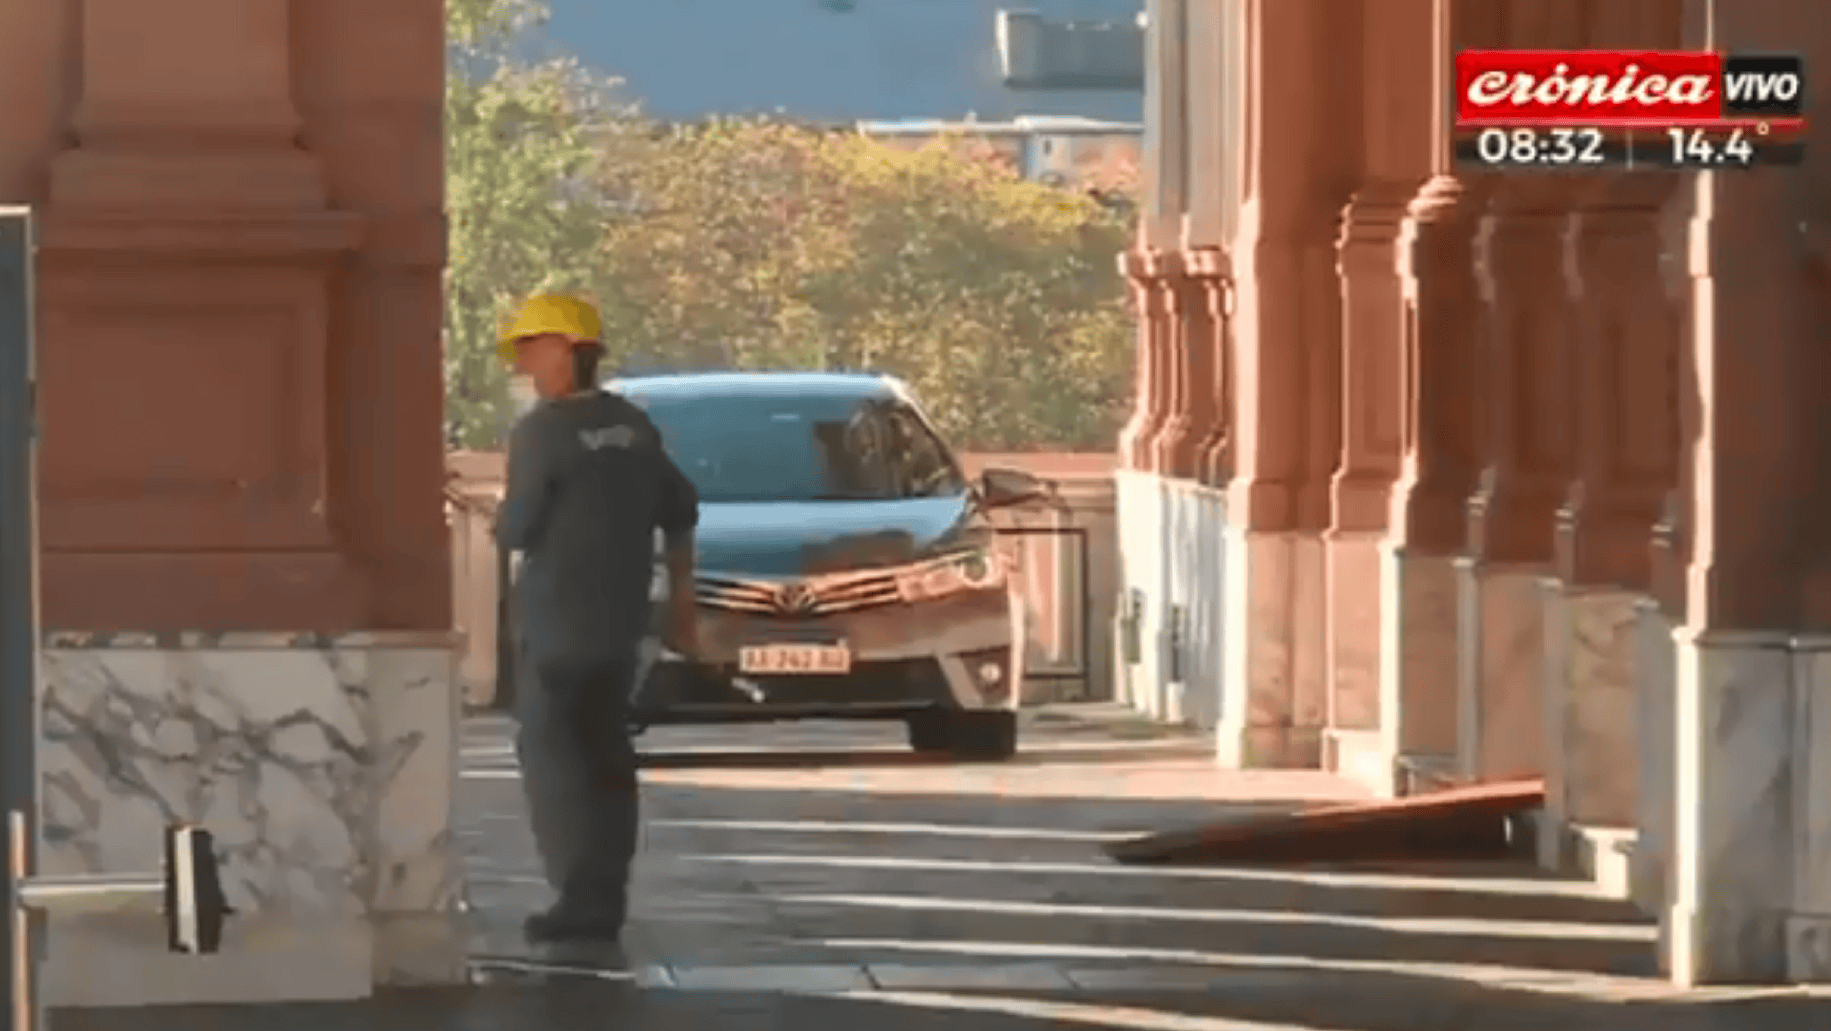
x=1528 y=329
x=1749 y=891
x=1627 y=302
x=1214 y=453
x=1625 y=286
x=186 y=219
x=1194 y=400
x=1170 y=444
x=1286 y=338
x=359 y=84
x=1398 y=145
x=1137 y=441
x=1159 y=230
x=187 y=105
x=1441 y=434
x=1218 y=101
x=1420 y=613
x=241 y=481
x=1597 y=750
x=1527 y=332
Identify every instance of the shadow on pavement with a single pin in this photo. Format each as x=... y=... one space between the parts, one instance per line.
x=963 y=879
x=1396 y=1002
x=1385 y=1003
x=559 y=1006
x=930 y=870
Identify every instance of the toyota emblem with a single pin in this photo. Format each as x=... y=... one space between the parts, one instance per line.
x=795 y=599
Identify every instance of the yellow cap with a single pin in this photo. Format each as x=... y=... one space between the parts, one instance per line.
x=567 y=316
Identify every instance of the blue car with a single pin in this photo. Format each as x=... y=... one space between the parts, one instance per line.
x=846 y=568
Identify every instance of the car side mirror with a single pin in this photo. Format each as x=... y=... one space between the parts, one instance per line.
x=1002 y=487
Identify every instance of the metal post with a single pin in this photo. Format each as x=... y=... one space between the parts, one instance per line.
x=18 y=600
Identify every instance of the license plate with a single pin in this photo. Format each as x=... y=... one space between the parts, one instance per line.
x=795 y=658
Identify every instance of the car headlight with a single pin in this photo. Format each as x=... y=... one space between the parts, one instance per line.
x=973 y=569
x=982 y=568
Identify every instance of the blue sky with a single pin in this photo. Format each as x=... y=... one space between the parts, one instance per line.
x=815 y=59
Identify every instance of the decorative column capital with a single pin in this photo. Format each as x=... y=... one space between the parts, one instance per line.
x=1212 y=269
x=1447 y=199
x=1140 y=263
x=1377 y=211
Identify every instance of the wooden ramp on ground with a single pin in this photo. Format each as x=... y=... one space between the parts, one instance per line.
x=1462 y=823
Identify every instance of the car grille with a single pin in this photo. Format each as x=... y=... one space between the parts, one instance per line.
x=817 y=596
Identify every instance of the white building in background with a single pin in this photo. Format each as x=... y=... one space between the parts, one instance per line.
x=1066 y=150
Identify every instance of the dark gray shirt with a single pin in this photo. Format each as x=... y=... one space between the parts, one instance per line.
x=588 y=486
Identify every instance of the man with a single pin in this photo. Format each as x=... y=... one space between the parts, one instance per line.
x=588 y=485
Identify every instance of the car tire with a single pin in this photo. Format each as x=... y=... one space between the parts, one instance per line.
x=972 y=736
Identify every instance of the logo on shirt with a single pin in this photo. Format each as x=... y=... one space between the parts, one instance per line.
x=607 y=436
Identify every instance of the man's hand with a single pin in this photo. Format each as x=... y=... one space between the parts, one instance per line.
x=682 y=626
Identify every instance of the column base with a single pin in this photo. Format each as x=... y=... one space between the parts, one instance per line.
x=1809 y=929
x=327 y=770
x=1195 y=563
x=1500 y=671
x=1808 y=948
x=425 y=949
x=1355 y=591
x=1655 y=690
x=1601 y=855
x=1139 y=674
x=1274 y=707
x=1268 y=748
x=1360 y=756
x=1734 y=848
x=1725 y=946
x=1592 y=651
x=1418 y=620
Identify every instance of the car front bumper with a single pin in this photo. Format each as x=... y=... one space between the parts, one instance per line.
x=960 y=652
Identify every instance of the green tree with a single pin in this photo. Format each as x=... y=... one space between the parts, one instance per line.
x=754 y=244
x=523 y=138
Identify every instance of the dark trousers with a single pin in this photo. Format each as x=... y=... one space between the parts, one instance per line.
x=578 y=769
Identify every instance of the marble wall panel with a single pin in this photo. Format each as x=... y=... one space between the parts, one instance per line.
x=326 y=769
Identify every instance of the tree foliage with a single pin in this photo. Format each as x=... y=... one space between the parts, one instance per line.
x=758 y=245
x=523 y=140
x=752 y=244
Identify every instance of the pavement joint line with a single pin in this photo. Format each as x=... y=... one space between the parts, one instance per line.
x=544 y=967
x=889 y=978
x=819 y=978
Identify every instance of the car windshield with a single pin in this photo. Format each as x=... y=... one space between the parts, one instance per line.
x=768 y=447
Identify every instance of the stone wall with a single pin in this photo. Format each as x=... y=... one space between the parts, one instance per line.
x=245 y=583
x=1519 y=470
x=326 y=768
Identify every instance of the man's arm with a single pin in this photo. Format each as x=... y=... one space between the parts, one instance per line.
x=533 y=461
x=677 y=516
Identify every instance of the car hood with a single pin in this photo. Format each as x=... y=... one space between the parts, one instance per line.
x=783 y=539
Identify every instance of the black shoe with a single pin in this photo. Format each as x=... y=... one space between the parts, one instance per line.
x=553 y=927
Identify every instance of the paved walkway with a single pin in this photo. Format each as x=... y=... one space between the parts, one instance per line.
x=821 y=875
